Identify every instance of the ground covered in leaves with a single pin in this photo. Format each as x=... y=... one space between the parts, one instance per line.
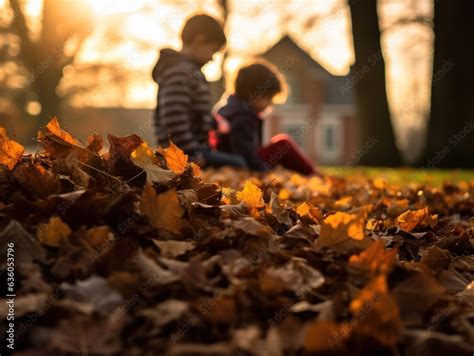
x=133 y=251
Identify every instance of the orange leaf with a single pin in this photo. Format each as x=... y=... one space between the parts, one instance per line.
x=345 y=230
x=284 y=194
x=10 y=151
x=54 y=128
x=375 y=259
x=344 y=203
x=311 y=212
x=376 y=312
x=326 y=336
x=345 y=225
x=162 y=210
x=412 y=218
x=196 y=169
x=175 y=158
x=53 y=232
x=252 y=195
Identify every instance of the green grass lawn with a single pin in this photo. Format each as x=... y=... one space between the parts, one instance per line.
x=434 y=177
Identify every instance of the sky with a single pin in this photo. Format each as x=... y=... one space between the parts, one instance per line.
x=321 y=27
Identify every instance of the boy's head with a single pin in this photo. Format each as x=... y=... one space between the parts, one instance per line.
x=259 y=84
x=202 y=37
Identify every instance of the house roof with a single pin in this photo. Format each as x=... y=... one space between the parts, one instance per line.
x=336 y=89
x=288 y=43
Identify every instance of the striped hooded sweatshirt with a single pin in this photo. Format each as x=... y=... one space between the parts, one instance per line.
x=183 y=111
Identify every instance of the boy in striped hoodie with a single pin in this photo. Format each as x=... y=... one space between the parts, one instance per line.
x=183 y=112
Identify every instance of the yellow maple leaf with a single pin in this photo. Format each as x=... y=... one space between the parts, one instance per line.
x=144 y=158
x=53 y=232
x=10 y=151
x=164 y=210
x=176 y=159
x=252 y=195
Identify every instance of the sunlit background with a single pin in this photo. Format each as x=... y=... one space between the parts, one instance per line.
x=113 y=63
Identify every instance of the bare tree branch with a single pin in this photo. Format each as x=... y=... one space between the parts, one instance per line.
x=420 y=20
x=19 y=26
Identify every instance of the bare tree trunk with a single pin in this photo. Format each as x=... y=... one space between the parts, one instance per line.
x=450 y=133
x=368 y=74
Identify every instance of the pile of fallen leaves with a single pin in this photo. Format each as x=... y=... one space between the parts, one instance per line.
x=134 y=251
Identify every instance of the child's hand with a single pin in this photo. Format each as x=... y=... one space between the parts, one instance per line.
x=223 y=125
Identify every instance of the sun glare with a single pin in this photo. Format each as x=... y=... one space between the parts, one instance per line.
x=111 y=7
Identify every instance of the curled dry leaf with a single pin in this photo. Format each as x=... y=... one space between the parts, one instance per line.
x=144 y=158
x=55 y=130
x=10 y=151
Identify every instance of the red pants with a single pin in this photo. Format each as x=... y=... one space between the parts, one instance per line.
x=283 y=150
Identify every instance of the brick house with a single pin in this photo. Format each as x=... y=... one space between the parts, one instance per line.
x=319 y=111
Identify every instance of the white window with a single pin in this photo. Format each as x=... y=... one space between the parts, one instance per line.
x=329 y=139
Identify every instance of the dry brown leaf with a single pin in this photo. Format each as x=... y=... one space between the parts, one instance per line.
x=38 y=180
x=172 y=248
x=162 y=210
x=95 y=142
x=436 y=258
x=10 y=151
x=416 y=295
x=98 y=237
x=222 y=309
x=326 y=336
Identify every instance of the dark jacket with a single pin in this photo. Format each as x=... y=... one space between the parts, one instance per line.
x=245 y=137
x=183 y=111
